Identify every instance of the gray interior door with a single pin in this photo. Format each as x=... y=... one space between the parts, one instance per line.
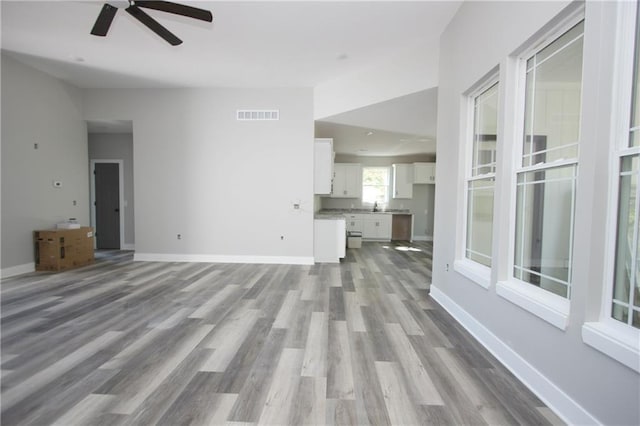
x=107 y=178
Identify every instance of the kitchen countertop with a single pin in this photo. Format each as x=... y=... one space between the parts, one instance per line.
x=342 y=212
x=322 y=215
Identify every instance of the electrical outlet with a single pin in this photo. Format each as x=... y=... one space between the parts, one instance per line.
x=281 y=237
x=75 y=203
x=35 y=146
x=179 y=236
x=446 y=267
x=296 y=206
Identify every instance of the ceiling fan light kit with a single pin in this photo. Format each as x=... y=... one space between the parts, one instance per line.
x=108 y=13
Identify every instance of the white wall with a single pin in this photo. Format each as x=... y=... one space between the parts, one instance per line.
x=118 y=146
x=409 y=71
x=584 y=385
x=37 y=108
x=228 y=187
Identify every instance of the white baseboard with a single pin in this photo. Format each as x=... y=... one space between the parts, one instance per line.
x=18 y=270
x=127 y=247
x=206 y=258
x=561 y=403
x=422 y=238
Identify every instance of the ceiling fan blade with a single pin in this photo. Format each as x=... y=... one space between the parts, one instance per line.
x=101 y=27
x=153 y=25
x=177 y=9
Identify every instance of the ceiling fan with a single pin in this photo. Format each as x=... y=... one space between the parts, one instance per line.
x=108 y=12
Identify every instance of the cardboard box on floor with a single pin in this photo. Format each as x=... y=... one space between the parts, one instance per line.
x=62 y=249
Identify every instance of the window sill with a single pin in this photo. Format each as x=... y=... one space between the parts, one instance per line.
x=550 y=307
x=473 y=271
x=620 y=342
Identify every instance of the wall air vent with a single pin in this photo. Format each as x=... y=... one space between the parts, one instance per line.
x=257 y=114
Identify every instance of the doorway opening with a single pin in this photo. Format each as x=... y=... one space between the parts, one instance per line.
x=111 y=174
x=107 y=203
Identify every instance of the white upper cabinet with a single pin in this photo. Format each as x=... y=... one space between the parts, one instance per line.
x=403 y=181
x=322 y=166
x=347 y=180
x=424 y=173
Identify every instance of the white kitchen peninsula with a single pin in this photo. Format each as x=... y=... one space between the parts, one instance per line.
x=329 y=238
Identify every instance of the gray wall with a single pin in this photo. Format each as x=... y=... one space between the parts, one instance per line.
x=118 y=146
x=228 y=187
x=481 y=36
x=37 y=108
x=421 y=205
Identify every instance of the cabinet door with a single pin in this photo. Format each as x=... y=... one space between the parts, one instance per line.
x=370 y=230
x=347 y=180
x=322 y=166
x=377 y=227
x=339 y=181
x=384 y=227
x=353 y=181
x=424 y=173
x=403 y=181
x=431 y=176
x=354 y=223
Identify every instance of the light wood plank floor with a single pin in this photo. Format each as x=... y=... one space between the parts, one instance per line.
x=123 y=342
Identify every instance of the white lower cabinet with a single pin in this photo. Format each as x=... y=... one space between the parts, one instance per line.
x=374 y=226
x=354 y=222
x=377 y=226
x=329 y=240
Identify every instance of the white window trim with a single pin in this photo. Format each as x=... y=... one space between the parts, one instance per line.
x=551 y=34
x=544 y=304
x=620 y=115
x=473 y=271
x=615 y=339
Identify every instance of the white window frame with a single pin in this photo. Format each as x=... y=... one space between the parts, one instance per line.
x=544 y=304
x=476 y=272
x=616 y=339
x=388 y=197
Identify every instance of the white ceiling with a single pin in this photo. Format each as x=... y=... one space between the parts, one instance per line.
x=364 y=142
x=249 y=44
x=400 y=126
